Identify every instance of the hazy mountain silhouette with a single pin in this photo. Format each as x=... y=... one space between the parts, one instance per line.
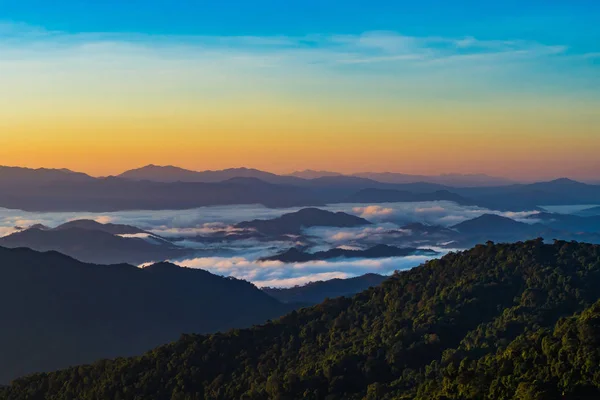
x=90 y=241
x=392 y=195
x=114 y=229
x=491 y=227
x=428 y=230
x=295 y=255
x=57 y=311
x=312 y=174
x=116 y=194
x=592 y=211
x=494 y=224
x=566 y=222
x=293 y=223
x=455 y=180
x=175 y=174
x=316 y=292
x=22 y=176
x=62 y=190
x=531 y=196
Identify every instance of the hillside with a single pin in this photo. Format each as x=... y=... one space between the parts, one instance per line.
x=495 y=322
x=58 y=312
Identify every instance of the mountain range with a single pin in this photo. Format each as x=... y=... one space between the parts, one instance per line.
x=511 y=321
x=174 y=174
x=155 y=188
x=94 y=242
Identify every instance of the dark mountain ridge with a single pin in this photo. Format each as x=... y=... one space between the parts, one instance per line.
x=57 y=311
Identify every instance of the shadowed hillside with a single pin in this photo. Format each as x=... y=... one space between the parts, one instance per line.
x=58 y=312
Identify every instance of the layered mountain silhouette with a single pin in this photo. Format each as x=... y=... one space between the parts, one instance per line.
x=113 y=229
x=495 y=224
x=531 y=196
x=294 y=223
x=497 y=228
x=295 y=255
x=514 y=321
x=90 y=241
x=455 y=180
x=567 y=222
x=115 y=194
x=592 y=211
x=18 y=176
x=400 y=196
x=312 y=174
x=316 y=292
x=58 y=312
x=175 y=174
x=155 y=188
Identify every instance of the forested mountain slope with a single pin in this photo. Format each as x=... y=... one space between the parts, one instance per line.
x=495 y=322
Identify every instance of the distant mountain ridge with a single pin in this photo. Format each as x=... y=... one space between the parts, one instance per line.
x=455 y=180
x=293 y=223
x=316 y=292
x=312 y=174
x=60 y=190
x=20 y=176
x=295 y=255
x=174 y=174
x=393 y=196
x=90 y=241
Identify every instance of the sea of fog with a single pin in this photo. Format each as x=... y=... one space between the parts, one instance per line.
x=240 y=258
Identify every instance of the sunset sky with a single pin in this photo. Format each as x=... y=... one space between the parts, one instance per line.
x=509 y=89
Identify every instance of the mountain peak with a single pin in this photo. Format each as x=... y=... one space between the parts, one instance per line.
x=566 y=181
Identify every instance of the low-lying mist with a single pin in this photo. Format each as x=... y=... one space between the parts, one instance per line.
x=207 y=231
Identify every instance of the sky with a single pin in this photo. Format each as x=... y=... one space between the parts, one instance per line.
x=507 y=88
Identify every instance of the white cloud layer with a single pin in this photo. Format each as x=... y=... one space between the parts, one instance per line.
x=276 y=273
x=239 y=258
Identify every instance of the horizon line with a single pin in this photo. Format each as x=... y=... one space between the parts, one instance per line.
x=350 y=174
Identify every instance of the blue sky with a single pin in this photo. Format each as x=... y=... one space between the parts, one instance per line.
x=574 y=21
x=504 y=87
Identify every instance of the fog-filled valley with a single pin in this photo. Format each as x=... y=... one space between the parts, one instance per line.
x=222 y=239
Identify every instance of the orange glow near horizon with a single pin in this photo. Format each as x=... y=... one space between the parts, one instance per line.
x=289 y=140
x=109 y=105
